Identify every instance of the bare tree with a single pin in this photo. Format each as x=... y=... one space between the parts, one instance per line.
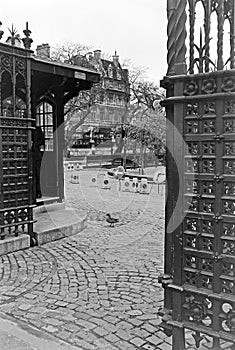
x=67 y=52
x=145 y=127
x=79 y=108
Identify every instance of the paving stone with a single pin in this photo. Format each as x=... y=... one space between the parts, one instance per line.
x=134 y=313
x=154 y=340
x=164 y=346
x=64 y=334
x=100 y=331
x=147 y=317
x=85 y=324
x=105 y=278
x=53 y=322
x=112 y=319
x=112 y=338
x=148 y=347
x=123 y=345
x=50 y=329
x=124 y=325
x=24 y=307
x=137 y=341
x=110 y=327
x=149 y=328
x=136 y=322
x=125 y=335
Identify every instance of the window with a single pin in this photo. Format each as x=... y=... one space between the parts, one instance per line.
x=8 y=107
x=44 y=119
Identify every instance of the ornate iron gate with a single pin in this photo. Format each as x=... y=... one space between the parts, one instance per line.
x=199 y=278
x=16 y=209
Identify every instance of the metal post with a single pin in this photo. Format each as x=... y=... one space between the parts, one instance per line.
x=232 y=38
x=180 y=37
x=220 y=64
x=171 y=36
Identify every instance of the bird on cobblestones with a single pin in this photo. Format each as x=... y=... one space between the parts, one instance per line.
x=111 y=220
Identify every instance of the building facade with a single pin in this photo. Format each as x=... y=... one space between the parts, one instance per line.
x=111 y=101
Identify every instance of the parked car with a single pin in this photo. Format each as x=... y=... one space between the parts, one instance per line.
x=130 y=164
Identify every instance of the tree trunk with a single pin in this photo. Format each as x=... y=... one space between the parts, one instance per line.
x=142 y=147
x=120 y=145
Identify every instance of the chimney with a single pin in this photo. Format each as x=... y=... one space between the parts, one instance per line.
x=97 y=55
x=115 y=59
x=43 y=51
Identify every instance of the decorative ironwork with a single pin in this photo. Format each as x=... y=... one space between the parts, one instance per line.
x=208 y=148
x=192 y=126
x=229 y=126
x=208 y=227
x=16 y=214
x=208 y=187
x=220 y=13
x=228 y=247
x=192 y=109
x=196 y=311
x=192 y=166
x=191 y=88
x=1 y=31
x=14 y=38
x=209 y=86
x=229 y=107
x=209 y=126
x=229 y=167
x=191 y=35
x=229 y=229
x=192 y=148
x=228 y=84
x=208 y=166
x=230 y=322
x=180 y=35
x=191 y=187
x=209 y=108
x=205 y=255
x=171 y=37
x=27 y=41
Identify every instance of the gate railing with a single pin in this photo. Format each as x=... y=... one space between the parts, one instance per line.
x=16 y=125
x=200 y=275
x=199 y=279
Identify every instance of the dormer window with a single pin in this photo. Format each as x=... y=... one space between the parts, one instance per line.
x=119 y=76
x=110 y=71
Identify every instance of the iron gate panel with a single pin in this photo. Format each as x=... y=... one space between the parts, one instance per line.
x=203 y=284
x=199 y=279
x=16 y=210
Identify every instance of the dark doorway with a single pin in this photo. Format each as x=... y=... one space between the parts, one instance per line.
x=45 y=165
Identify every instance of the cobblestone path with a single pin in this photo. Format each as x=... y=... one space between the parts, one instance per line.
x=97 y=290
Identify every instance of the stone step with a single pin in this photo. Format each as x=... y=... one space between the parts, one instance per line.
x=56 y=224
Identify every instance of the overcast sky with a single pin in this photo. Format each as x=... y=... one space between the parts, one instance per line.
x=135 y=28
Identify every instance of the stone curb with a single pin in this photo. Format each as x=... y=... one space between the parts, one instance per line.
x=27 y=337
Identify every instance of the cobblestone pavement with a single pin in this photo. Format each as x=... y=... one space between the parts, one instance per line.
x=97 y=290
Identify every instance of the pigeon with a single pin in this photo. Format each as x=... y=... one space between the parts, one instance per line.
x=111 y=220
